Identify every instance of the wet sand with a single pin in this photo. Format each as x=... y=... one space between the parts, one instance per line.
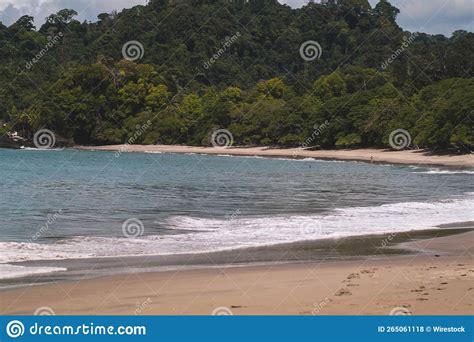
x=435 y=277
x=409 y=157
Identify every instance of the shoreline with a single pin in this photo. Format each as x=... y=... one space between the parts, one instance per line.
x=376 y=156
x=435 y=273
x=357 y=247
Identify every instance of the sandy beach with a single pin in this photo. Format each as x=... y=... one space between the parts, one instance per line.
x=411 y=157
x=437 y=278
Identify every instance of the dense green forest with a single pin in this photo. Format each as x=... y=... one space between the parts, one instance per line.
x=237 y=65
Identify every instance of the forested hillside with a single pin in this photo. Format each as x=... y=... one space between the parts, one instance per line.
x=186 y=68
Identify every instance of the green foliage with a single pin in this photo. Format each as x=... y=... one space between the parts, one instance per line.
x=259 y=87
x=349 y=140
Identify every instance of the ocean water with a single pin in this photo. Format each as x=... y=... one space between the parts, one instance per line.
x=79 y=204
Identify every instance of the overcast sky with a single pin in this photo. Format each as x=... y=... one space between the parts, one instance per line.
x=431 y=16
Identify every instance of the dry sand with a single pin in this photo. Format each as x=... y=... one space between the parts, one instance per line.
x=413 y=157
x=421 y=283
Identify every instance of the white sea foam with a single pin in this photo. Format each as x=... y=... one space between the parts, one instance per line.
x=335 y=161
x=42 y=149
x=214 y=234
x=447 y=172
x=12 y=271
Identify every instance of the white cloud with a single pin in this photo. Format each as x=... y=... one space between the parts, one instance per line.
x=432 y=16
x=436 y=16
x=11 y=10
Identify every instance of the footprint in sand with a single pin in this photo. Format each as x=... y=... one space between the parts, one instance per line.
x=353 y=276
x=370 y=272
x=420 y=289
x=343 y=292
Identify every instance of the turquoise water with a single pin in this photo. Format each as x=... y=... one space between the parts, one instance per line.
x=79 y=204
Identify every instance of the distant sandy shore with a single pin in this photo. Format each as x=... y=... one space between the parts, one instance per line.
x=422 y=283
x=411 y=157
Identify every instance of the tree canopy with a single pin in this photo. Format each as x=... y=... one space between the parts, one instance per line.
x=203 y=65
